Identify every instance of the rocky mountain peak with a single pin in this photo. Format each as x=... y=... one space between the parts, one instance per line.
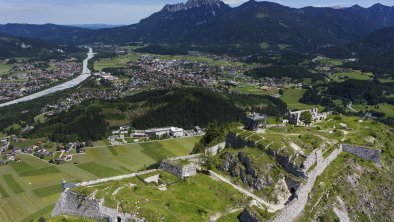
x=212 y=4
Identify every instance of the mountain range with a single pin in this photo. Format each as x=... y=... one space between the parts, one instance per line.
x=262 y=25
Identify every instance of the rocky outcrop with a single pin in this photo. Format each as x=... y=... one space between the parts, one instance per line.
x=240 y=165
x=74 y=204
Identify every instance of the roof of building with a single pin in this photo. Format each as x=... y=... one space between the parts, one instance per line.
x=257 y=116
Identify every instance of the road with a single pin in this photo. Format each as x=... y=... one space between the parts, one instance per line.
x=69 y=84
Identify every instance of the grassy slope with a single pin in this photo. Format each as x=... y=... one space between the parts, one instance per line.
x=36 y=183
x=4 y=68
x=194 y=199
x=292 y=97
x=356 y=74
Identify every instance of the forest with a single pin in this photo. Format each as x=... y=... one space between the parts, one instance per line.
x=276 y=71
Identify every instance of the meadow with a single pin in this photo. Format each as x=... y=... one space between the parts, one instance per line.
x=194 y=199
x=292 y=96
x=4 y=68
x=116 y=62
x=355 y=74
x=31 y=187
x=385 y=108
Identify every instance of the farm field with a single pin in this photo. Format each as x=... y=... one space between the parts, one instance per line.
x=254 y=90
x=292 y=97
x=4 y=68
x=32 y=186
x=356 y=74
x=116 y=62
x=202 y=59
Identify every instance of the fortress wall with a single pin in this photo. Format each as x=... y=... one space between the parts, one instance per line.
x=296 y=207
x=177 y=169
x=362 y=152
x=103 y=180
x=73 y=204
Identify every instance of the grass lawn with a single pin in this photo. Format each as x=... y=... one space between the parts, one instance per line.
x=254 y=90
x=29 y=142
x=194 y=199
x=40 y=118
x=104 y=142
x=3 y=193
x=292 y=97
x=356 y=74
x=385 y=108
x=32 y=186
x=47 y=191
x=2 y=135
x=201 y=59
x=99 y=169
x=4 y=68
x=116 y=62
x=13 y=184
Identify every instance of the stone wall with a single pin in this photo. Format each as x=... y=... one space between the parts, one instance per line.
x=362 y=152
x=189 y=157
x=296 y=206
x=103 y=180
x=178 y=169
x=73 y=204
x=216 y=149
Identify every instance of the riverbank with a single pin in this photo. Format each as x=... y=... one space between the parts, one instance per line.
x=86 y=73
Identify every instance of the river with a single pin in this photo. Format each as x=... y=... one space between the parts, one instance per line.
x=69 y=84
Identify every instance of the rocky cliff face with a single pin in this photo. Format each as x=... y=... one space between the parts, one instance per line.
x=240 y=165
x=212 y=5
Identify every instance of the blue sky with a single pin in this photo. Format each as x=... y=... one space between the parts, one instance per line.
x=119 y=11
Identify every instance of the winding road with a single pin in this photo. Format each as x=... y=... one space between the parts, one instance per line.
x=69 y=84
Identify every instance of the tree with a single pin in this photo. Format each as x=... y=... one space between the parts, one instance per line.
x=214 y=134
x=306 y=117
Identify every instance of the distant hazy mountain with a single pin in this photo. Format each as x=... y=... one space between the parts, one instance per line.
x=95 y=26
x=24 y=47
x=48 y=32
x=212 y=22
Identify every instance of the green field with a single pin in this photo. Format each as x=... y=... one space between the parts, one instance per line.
x=356 y=74
x=292 y=97
x=4 y=68
x=32 y=186
x=202 y=59
x=116 y=62
x=254 y=90
x=194 y=199
x=385 y=108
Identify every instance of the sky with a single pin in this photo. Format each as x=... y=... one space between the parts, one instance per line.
x=67 y=12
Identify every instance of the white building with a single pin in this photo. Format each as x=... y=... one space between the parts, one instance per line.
x=176 y=132
x=158 y=132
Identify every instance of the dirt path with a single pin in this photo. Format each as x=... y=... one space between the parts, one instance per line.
x=272 y=208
